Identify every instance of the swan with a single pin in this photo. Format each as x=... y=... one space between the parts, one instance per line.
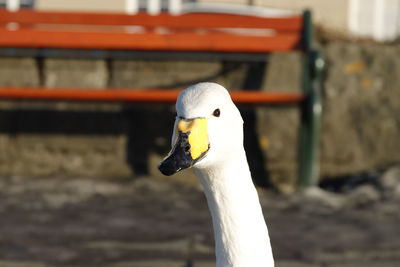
x=208 y=136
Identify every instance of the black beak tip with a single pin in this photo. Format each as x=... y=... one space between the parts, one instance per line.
x=166 y=169
x=178 y=159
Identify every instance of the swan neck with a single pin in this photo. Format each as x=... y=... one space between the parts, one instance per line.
x=241 y=235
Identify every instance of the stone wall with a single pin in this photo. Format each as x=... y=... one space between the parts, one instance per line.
x=361 y=122
x=361 y=126
x=361 y=118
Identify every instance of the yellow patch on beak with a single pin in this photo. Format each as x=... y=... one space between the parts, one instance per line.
x=196 y=130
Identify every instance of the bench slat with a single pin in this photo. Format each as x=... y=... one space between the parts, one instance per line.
x=189 y=20
x=180 y=41
x=135 y=95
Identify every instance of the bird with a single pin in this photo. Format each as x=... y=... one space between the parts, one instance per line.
x=208 y=137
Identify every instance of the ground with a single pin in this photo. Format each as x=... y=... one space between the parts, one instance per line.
x=150 y=222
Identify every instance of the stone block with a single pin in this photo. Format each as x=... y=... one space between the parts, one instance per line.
x=19 y=72
x=283 y=72
x=161 y=74
x=361 y=118
x=82 y=73
x=76 y=156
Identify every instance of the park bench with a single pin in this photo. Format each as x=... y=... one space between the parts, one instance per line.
x=213 y=34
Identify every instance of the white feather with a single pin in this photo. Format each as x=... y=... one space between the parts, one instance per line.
x=241 y=235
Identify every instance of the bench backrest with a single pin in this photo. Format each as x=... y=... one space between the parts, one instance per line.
x=200 y=32
x=163 y=32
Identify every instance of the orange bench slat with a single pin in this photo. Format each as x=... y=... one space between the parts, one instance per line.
x=189 y=20
x=180 y=41
x=143 y=95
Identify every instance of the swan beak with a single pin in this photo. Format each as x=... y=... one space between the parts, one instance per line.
x=191 y=145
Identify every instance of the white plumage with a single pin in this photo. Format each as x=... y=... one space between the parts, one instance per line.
x=241 y=235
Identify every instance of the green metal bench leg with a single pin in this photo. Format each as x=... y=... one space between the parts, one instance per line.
x=311 y=125
x=311 y=109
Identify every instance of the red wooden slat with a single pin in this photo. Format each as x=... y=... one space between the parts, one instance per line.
x=257 y=97
x=190 y=20
x=71 y=94
x=130 y=95
x=185 y=41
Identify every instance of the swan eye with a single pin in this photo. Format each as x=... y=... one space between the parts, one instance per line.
x=217 y=112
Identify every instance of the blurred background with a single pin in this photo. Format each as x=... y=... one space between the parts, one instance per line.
x=79 y=184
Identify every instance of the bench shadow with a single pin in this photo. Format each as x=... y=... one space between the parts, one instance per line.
x=256 y=157
x=148 y=127
x=148 y=130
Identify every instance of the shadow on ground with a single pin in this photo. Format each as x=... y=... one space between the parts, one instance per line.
x=151 y=222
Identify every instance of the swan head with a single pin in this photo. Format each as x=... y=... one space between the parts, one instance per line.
x=208 y=129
